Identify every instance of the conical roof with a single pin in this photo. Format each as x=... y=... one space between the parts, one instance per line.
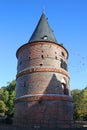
x=43 y=32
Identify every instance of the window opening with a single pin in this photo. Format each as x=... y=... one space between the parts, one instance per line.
x=29 y=57
x=56 y=57
x=40 y=101
x=65 y=90
x=41 y=64
x=44 y=37
x=42 y=56
x=24 y=84
x=63 y=64
x=63 y=54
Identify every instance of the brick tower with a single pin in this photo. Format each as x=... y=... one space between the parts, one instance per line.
x=42 y=90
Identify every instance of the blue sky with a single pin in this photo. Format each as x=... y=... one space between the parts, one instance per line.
x=68 y=19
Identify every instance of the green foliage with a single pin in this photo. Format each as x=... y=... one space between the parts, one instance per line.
x=3 y=107
x=7 y=97
x=11 y=86
x=80 y=104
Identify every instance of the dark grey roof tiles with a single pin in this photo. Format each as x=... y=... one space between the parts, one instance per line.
x=43 y=32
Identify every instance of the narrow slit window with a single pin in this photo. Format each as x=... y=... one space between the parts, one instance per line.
x=42 y=56
x=56 y=57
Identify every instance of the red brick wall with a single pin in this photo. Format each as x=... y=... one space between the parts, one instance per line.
x=39 y=72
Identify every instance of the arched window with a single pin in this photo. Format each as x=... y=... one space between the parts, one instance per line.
x=64 y=86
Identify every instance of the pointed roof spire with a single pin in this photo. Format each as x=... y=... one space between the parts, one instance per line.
x=43 y=32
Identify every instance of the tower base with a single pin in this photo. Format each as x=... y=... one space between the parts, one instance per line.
x=44 y=112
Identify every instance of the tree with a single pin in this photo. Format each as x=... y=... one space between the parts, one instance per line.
x=12 y=94
x=83 y=104
x=11 y=86
x=76 y=99
x=3 y=108
x=11 y=103
x=7 y=96
x=80 y=104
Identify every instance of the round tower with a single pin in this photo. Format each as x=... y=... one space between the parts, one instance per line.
x=42 y=90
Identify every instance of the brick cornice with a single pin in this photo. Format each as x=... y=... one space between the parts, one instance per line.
x=44 y=97
x=33 y=70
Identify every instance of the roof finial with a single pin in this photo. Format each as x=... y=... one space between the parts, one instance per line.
x=43 y=10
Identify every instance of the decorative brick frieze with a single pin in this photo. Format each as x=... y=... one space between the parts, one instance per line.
x=33 y=70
